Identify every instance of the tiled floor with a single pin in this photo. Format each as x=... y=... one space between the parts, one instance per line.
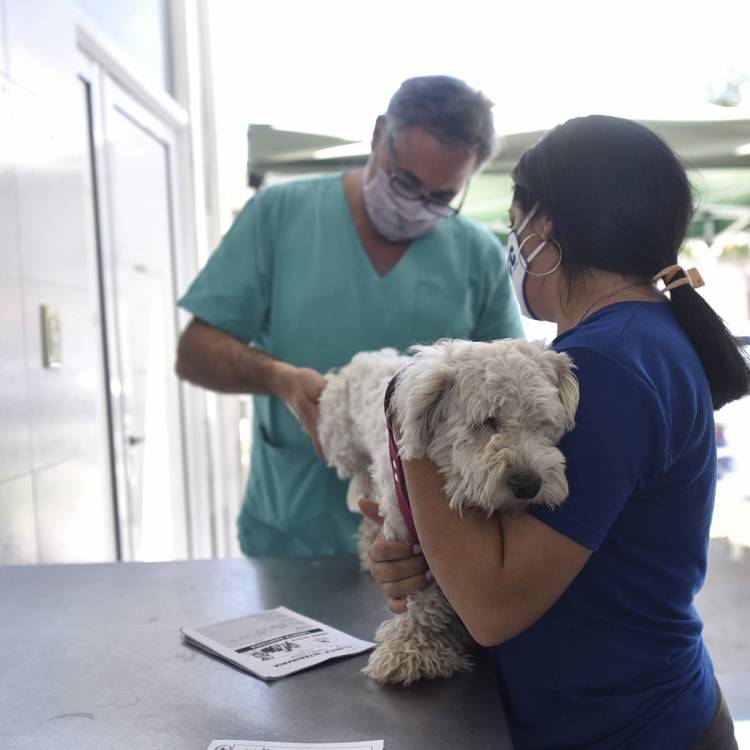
x=724 y=605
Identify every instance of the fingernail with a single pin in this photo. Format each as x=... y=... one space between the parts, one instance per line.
x=417 y=549
x=428 y=575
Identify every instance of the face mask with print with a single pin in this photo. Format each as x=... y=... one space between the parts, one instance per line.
x=395 y=217
x=518 y=265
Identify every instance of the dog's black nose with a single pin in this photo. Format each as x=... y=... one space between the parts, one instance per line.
x=524 y=486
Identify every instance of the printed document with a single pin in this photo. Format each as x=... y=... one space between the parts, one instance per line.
x=275 y=643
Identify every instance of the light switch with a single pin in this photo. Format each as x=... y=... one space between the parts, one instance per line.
x=51 y=337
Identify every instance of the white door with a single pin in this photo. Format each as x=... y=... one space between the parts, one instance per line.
x=133 y=156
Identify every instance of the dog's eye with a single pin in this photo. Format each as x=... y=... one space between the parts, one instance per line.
x=491 y=423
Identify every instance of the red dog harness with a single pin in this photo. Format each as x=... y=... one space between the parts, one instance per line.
x=402 y=494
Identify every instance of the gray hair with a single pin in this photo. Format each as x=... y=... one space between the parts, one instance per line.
x=448 y=109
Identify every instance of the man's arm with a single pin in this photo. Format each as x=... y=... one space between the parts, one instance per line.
x=211 y=358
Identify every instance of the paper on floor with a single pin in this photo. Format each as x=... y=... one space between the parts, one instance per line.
x=258 y=745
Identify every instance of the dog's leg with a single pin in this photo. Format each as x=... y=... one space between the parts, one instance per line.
x=368 y=530
x=361 y=486
x=427 y=641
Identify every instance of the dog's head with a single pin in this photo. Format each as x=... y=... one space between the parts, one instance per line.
x=490 y=415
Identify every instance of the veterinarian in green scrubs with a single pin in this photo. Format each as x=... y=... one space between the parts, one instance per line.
x=314 y=271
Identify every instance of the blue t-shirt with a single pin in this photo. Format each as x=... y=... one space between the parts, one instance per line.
x=618 y=661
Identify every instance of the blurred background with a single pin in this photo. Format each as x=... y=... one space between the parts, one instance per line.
x=132 y=132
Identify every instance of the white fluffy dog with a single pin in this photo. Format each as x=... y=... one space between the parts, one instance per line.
x=490 y=416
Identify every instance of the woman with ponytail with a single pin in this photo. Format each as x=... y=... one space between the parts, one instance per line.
x=587 y=610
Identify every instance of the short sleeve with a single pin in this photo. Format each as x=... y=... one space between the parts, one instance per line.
x=615 y=448
x=232 y=291
x=498 y=316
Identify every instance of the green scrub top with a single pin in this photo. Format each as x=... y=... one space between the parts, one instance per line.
x=292 y=278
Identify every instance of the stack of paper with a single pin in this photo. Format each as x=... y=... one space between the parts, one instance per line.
x=275 y=643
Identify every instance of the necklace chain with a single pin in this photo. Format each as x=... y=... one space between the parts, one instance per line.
x=607 y=295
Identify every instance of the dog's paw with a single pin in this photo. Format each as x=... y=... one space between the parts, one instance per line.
x=404 y=660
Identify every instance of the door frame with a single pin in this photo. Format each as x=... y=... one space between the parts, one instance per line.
x=100 y=60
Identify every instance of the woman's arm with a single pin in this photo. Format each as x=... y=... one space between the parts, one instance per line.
x=500 y=574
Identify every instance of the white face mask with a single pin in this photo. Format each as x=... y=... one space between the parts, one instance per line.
x=518 y=265
x=395 y=217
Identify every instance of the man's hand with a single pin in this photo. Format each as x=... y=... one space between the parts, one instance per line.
x=399 y=567
x=212 y=358
x=300 y=388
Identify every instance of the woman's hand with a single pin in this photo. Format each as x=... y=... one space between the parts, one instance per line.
x=399 y=567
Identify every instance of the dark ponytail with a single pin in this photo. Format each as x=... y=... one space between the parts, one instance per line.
x=723 y=360
x=621 y=202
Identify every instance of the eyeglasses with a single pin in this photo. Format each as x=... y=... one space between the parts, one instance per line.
x=409 y=191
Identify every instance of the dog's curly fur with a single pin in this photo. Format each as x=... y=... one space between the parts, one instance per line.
x=489 y=415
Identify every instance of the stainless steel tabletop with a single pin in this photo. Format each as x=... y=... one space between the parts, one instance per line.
x=91 y=658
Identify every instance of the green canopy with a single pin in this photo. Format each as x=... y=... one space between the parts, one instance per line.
x=713 y=141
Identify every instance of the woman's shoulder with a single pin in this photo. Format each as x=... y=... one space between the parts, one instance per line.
x=637 y=355
x=643 y=337
x=606 y=328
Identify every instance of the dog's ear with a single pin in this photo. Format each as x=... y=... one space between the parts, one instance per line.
x=418 y=402
x=567 y=384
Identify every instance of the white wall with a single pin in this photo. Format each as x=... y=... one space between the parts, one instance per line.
x=141 y=29
x=55 y=498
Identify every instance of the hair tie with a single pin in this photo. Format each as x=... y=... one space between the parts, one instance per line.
x=691 y=277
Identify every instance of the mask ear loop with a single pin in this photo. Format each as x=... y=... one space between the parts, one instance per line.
x=529 y=217
x=526 y=262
